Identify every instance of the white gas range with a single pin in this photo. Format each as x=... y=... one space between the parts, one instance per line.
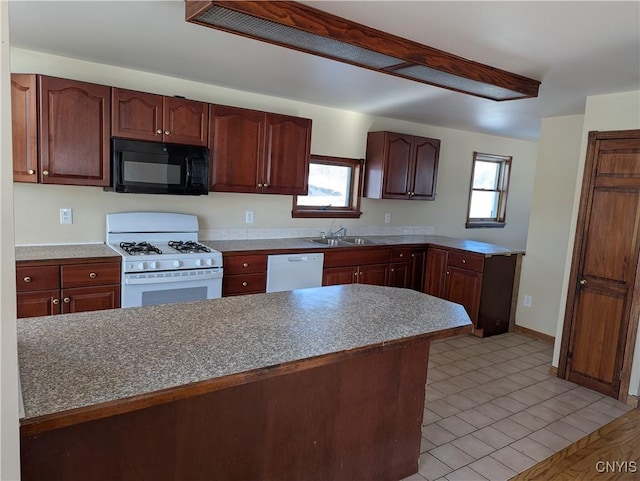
x=162 y=261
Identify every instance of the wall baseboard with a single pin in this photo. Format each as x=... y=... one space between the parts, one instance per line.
x=553 y=371
x=633 y=401
x=538 y=335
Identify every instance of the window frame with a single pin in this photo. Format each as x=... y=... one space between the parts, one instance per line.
x=352 y=211
x=504 y=176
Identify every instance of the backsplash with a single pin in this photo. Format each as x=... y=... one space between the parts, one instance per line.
x=291 y=232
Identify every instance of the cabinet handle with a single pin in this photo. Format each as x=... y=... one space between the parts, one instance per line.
x=393 y=270
x=45 y=172
x=245 y=284
x=66 y=300
x=93 y=275
x=265 y=185
x=31 y=171
x=167 y=132
x=159 y=131
x=27 y=279
x=55 y=301
x=464 y=261
x=448 y=273
x=401 y=255
x=413 y=255
x=259 y=185
x=583 y=282
x=246 y=264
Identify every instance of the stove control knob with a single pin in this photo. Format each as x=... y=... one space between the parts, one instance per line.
x=177 y=263
x=153 y=265
x=198 y=262
x=140 y=265
x=209 y=262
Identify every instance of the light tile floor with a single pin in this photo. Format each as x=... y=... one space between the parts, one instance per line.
x=493 y=410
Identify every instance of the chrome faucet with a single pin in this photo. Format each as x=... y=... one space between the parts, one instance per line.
x=341 y=232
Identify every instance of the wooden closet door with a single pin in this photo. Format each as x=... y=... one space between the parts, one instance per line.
x=601 y=306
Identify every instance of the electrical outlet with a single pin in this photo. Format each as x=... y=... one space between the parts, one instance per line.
x=387 y=218
x=248 y=217
x=527 y=301
x=66 y=216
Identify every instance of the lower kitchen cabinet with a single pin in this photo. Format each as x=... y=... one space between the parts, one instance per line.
x=244 y=274
x=45 y=288
x=482 y=284
x=356 y=266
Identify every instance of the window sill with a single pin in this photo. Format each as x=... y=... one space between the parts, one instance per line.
x=485 y=224
x=326 y=214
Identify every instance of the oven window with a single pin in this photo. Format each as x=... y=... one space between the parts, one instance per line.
x=150 y=169
x=151 y=298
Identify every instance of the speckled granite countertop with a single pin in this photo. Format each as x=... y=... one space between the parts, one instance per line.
x=64 y=251
x=304 y=243
x=78 y=360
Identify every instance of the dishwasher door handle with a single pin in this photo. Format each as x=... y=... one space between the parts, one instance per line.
x=297 y=259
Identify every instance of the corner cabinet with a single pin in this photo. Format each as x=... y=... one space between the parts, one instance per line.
x=258 y=152
x=482 y=284
x=401 y=166
x=60 y=130
x=145 y=116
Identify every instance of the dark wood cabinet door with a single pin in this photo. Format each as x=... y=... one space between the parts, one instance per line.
x=38 y=303
x=398 y=166
x=339 y=275
x=83 y=299
x=74 y=132
x=24 y=127
x=236 y=140
x=425 y=168
x=136 y=115
x=463 y=286
x=185 y=121
x=377 y=274
x=399 y=274
x=286 y=161
x=435 y=272
x=416 y=269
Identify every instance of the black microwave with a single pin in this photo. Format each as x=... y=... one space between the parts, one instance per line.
x=141 y=167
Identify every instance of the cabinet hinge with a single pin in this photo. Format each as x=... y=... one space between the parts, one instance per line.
x=620 y=375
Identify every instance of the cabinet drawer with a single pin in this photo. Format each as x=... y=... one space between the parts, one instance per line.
x=357 y=256
x=472 y=262
x=244 y=284
x=85 y=275
x=400 y=254
x=248 y=264
x=37 y=278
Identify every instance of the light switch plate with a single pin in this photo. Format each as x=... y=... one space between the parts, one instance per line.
x=248 y=217
x=387 y=218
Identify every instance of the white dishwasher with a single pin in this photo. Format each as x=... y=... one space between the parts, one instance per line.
x=294 y=271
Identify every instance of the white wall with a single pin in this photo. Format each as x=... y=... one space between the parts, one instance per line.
x=335 y=132
x=619 y=111
x=550 y=226
x=9 y=446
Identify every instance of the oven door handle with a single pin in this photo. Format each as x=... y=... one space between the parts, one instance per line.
x=133 y=279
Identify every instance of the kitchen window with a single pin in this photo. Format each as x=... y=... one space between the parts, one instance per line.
x=488 y=192
x=335 y=188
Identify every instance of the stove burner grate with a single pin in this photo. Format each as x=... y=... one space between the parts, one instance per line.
x=188 y=247
x=139 y=248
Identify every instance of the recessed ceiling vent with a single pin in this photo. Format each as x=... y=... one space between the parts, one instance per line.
x=299 y=27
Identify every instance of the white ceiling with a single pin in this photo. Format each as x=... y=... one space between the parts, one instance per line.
x=574 y=48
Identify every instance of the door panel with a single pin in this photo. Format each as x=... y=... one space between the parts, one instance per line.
x=426 y=168
x=339 y=275
x=613 y=214
x=463 y=286
x=398 y=168
x=24 y=115
x=597 y=329
x=236 y=140
x=38 y=303
x=187 y=121
x=83 y=299
x=375 y=275
x=288 y=147
x=435 y=271
x=136 y=115
x=601 y=318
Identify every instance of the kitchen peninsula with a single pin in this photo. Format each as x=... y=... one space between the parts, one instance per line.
x=323 y=383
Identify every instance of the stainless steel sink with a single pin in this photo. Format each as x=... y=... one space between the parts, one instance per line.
x=342 y=241
x=326 y=241
x=355 y=240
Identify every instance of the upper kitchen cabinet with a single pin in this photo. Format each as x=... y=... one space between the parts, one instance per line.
x=145 y=116
x=73 y=133
x=24 y=115
x=258 y=152
x=401 y=166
